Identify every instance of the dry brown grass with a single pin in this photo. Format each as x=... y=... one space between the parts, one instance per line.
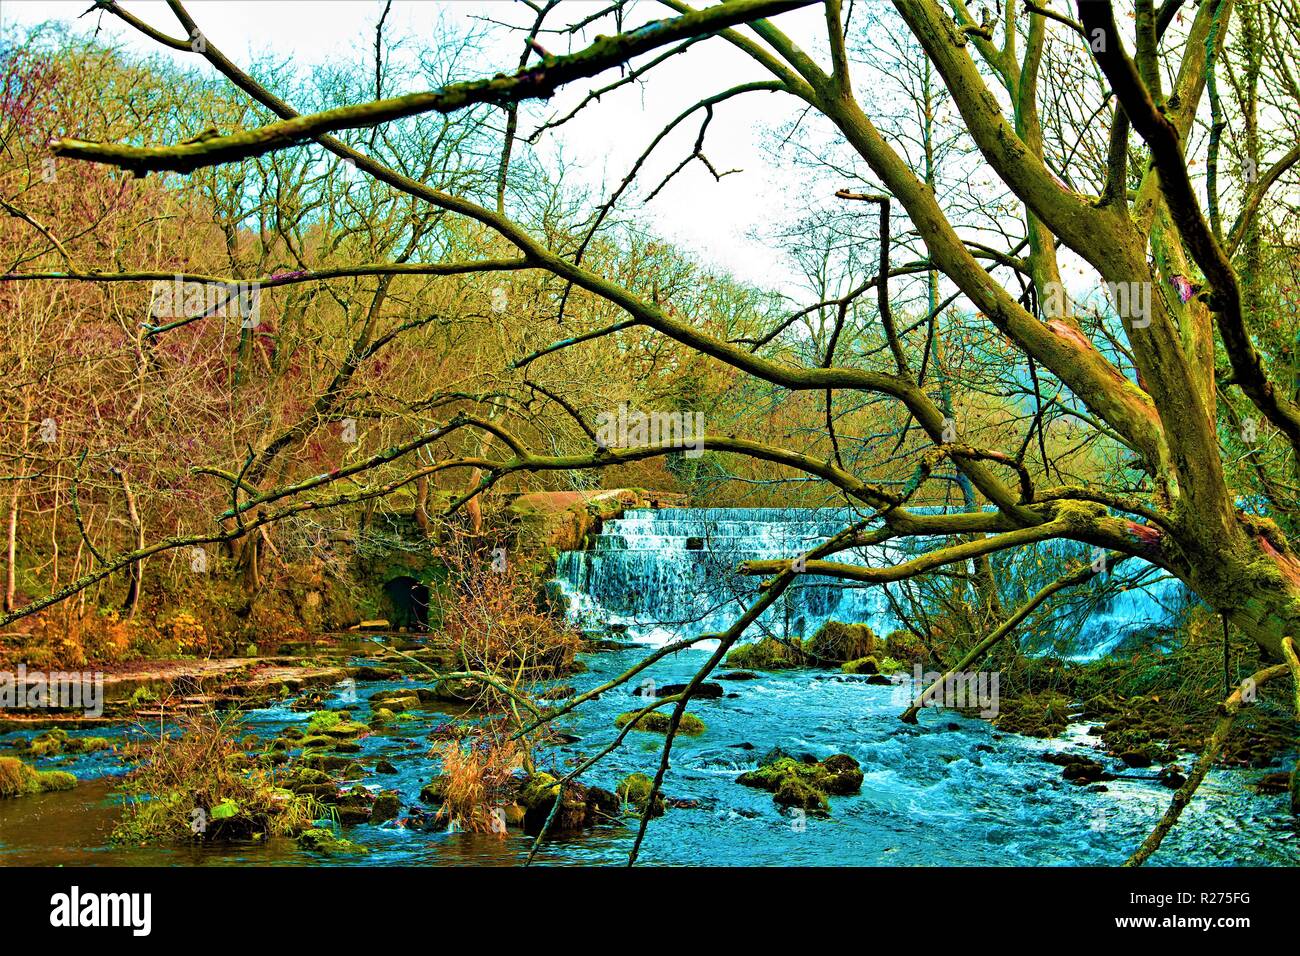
x=478 y=773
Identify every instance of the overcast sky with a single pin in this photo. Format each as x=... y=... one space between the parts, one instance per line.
x=712 y=219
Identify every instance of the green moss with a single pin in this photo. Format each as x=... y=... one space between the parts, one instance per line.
x=1034 y=715
x=345 y=730
x=837 y=642
x=16 y=778
x=19 y=780
x=795 y=783
x=634 y=792
x=51 y=780
x=905 y=646
x=863 y=665
x=874 y=665
x=892 y=665
x=322 y=720
x=538 y=787
x=797 y=793
x=768 y=654
x=394 y=705
x=658 y=723
x=321 y=840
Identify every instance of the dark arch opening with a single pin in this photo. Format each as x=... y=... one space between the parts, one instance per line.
x=408 y=604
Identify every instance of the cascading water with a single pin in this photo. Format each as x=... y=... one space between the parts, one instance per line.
x=670 y=573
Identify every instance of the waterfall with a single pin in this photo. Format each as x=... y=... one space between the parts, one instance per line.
x=663 y=574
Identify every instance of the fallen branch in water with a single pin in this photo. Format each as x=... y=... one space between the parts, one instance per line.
x=1222 y=726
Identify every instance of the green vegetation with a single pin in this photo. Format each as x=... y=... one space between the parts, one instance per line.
x=658 y=722
x=19 y=780
x=200 y=786
x=805 y=783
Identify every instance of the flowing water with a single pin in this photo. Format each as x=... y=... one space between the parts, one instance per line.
x=950 y=790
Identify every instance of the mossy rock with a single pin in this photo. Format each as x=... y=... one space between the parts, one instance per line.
x=658 y=723
x=769 y=776
x=346 y=730
x=321 y=840
x=435 y=791
x=457 y=691
x=537 y=795
x=332 y=763
x=19 y=780
x=837 y=642
x=1034 y=715
x=386 y=806
x=322 y=720
x=394 y=705
x=58 y=741
x=790 y=780
x=48 y=744
x=799 y=794
x=381 y=716
x=841 y=775
x=863 y=665
x=634 y=792
x=602 y=806
x=906 y=647
x=767 y=654
x=538 y=789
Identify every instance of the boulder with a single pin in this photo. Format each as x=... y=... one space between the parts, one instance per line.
x=836 y=643
x=797 y=793
x=434 y=792
x=863 y=665
x=768 y=654
x=1171 y=777
x=804 y=783
x=1136 y=758
x=537 y=795
x=634 y=793
x=321 y=840
x=19 y=780
x=386 y=807
x=658 y=723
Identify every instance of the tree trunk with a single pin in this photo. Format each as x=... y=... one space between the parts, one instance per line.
x=135 y=573
x=11 y=553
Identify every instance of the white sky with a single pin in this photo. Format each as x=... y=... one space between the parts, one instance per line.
x=711 y=219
